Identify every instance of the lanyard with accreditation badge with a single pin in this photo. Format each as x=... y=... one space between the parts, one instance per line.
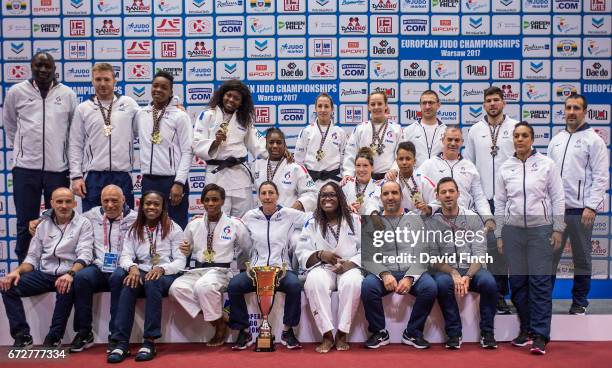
x=111 y=258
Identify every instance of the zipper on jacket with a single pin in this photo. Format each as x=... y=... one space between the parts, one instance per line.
x=544 y=207
x=579 y=186
x=269 y=247
x=493 y=178
x=110 y=152
x=43 y=135
x=565 y=152
x=524 y=194
x=170 y=157
x=59 y=262
x=21 y=146
x=151 y=163
x=90 y=154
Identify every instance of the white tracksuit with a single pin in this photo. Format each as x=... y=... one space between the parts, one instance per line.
x=427 y=145
x=293 y=182
x=529 y=194
x=115 y=233
x=90 y=149
x=240 y=141
x=136 y=252
x=362 y=137
x=478 y=150
x=55 y=248
x=350 y=191
x=308 y=143
x=321 y=280
x=172 y=157
x=271 y=238
x=37 y=128
x=583 y=160
x=466 y=175
x=202 y=289
x=426 y=186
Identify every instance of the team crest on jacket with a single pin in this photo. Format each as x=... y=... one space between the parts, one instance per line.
x=227 y=233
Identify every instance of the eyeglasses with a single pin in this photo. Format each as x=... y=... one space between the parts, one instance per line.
x=329 y=195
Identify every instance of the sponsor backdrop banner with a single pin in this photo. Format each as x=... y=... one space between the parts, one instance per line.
x=288 y=51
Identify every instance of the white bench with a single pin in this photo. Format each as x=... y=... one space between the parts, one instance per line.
x=178 y=327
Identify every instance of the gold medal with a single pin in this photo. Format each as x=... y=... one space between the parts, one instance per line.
x=360 y=198
x=224 y=127
x=320 y=155
x=155 y=258
x=108 y=129
x=417 y=197
x=156 y=138
x=373 y=148
x=209 y=256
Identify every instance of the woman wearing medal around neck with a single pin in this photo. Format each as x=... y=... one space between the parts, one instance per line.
x=212 y=239
x=362 y=187
x=320 y=145
x=417 y=189
x=223 y=137
x=330 y=249
x=381 y=135
x=165 y=135
x=152 y=259
x=295 y=187
x=271 y=228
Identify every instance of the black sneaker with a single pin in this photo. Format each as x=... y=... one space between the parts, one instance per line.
x=82 y=342
x=523 y=339
x=244 y=340
x=52 y=342
x=23 y=342
x=487 y=340
x=502 y=307
x=453 y=342
x=378 y=339
x=415 y=341
x=289 y=340
x=577 y=310
x=538 y=347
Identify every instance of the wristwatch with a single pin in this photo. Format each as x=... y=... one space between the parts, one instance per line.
x=71 y=273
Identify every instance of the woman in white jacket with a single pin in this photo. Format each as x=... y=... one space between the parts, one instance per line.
x=362 y=187
x=271 y=228
x=151 y=260
x=330 y=249
x=529 y=210
x=223 y=137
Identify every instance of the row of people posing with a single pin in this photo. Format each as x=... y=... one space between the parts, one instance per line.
x=111 y=248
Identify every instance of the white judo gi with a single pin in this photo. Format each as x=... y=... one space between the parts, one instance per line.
x=321 y=280
x=201 y=289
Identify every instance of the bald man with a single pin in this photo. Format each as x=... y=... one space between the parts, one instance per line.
x=110 y=223
x=61 y=247
x=37 y=115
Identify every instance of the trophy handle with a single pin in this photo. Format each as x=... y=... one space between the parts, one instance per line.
x=251 y=273
x=282 y=273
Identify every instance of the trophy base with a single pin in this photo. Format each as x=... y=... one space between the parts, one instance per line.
x=264 y=344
